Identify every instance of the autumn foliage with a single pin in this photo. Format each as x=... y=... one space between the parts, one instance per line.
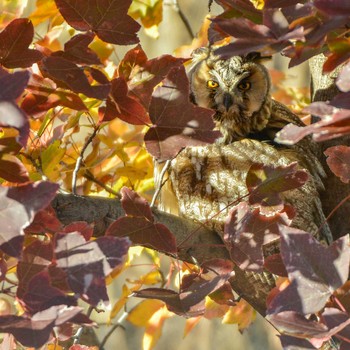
x=74 y=120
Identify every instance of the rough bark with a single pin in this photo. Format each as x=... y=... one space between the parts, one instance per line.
x=323 y=88
x=201 y=243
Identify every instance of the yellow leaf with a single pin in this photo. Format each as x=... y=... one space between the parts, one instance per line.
x=213 y=309
x=258 y=4
x=121 y=302
x=50 y=159
x=150 y=278
x=154 y=255
x=242 y=314
x=102 y=49
x=54 y=347
x=141 y=315
x=190 y=324
x=149 y=11
x=45 y=9
x=154 y=328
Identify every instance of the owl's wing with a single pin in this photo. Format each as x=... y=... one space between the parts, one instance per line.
x=309 y=152
x=207 y=181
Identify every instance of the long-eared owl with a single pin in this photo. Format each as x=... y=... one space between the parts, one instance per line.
x=203 y=182
x=206 y=179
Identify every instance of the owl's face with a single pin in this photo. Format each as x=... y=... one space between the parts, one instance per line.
x=236 y=88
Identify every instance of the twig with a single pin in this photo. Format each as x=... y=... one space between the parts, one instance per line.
x=88 y=175
x=121 y=319
x=80 y=160
x=79 y=332
x=183 y=18
x=160 y=182
x=37 y=166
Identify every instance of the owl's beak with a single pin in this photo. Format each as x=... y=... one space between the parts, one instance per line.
x=227 y=101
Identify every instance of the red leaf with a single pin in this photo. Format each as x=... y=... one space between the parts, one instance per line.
x=77 y=50
x=266 y=183
x=35 y=331
x=134 y=205
x=257 y=37
x=73 y=77
x=13 y=117
x=334 y=123
x=43 y=95
x=339 y=161
x=313 y=280
x=121 y=105
x=295 y=324
x=82 y=227
x=42 y=295
x=9 y=145
x=88 y=263
x=19 y=205
x=139 y=224
x=132 y=61
x=36 y=257
x=144 y=75
x=44 y=221
x=280 y=3
x=144 y=232
x=334 y=7
x=12 y=85
x=337 y=321
x=108 y=19
x=246 y=231
x=174 y=127
x=12 y=169
x=190 y=301
x=14 y=42
x=275 y=265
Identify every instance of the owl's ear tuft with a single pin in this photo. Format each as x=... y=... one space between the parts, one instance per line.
x=256 y=57
x=200 y=53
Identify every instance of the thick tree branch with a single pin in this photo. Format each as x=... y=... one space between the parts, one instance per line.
x=323 y=88
x=202 y=244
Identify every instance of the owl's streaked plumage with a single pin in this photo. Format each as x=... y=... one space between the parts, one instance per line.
x=203 y=182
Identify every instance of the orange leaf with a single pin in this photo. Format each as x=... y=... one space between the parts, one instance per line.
x=242 y=314
x=154 y=328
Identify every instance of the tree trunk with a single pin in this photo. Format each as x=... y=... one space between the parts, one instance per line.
x=323 y=88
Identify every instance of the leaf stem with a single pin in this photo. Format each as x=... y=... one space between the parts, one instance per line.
x=184 y=20
x=160 y=182
x=81 y=159
x=79 y=332
x=88 y=175
x=121 y=319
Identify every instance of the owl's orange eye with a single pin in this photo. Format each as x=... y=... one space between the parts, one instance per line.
x=244 y=85
x=212 y=84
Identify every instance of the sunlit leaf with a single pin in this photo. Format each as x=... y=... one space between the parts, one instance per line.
x=241 y=314
x=141 y=314
x=109 y=19
x=14 y=42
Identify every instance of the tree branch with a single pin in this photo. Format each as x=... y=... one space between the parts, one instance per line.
x=203 y=245
x=323 y=88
